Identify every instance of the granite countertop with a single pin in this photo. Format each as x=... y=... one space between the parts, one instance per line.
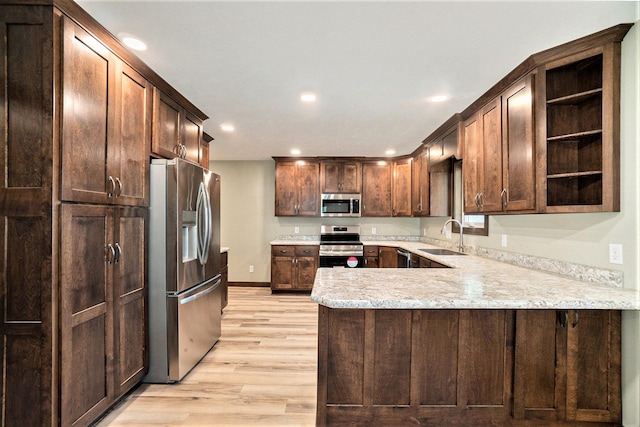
x=472 y=282
x=224 y=249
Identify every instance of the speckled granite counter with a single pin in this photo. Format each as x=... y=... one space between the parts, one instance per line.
x=472 y=282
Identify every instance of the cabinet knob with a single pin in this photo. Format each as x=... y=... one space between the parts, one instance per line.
x=112 y=190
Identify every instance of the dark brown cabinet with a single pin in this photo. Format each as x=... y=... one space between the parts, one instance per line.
x=376 y=188
x=340 y=176
x=176 y=131
x=224 y=264
x=370 y=257
x=499 y=153
x=294 y=267
x=402 y=187
x=420 y=184
x=106 y=124
x=582 y=132
x=297 y=188
x=567 y=366
x=102 y=302
x=388 y=257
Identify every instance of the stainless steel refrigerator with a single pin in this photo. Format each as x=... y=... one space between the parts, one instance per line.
x=185 y=296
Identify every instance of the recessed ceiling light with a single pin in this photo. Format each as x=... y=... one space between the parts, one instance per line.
x=439 y=98
x=132 y=42
x=308 y=97
x=295 y=152
x=227 y=127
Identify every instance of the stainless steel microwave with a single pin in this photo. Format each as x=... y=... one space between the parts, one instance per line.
x=340 y=205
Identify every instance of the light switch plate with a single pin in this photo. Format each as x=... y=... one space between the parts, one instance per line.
x=373 y=230
x=296 y=230
x=504 y=240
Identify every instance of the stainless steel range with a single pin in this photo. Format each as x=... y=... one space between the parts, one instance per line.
x=340 y=246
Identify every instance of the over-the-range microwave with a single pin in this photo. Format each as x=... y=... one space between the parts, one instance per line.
x=340 y=205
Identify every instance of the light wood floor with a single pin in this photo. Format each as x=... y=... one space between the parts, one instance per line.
x=261 y=372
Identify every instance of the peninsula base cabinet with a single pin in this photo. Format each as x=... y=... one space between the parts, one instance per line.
x=468 y=367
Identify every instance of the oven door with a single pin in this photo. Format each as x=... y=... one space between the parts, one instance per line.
x=347 y=261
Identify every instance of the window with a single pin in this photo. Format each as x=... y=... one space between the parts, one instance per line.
x=473 y=224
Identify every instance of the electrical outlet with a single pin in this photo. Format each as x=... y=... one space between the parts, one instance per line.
x=615 y=253
x=296 y=230
x=424 y=231
x=251 y=269
x=373 y=230
x=504 y=240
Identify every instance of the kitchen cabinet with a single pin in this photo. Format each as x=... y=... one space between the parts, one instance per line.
x=204 y=149
x=224 y=272
x=176 y=131
x=420 y=183
x=402 y=187
x=441 y=151
x=499 y=153
x=77 y=117
x=297 y=188
x=370 y=257
x=294 y=267
x=567 y=366
x=376 y=188
x=388 y=257
x=341 y=176
x=418 y=261
x=582 y=132
x=106 y=124
x=102 y=302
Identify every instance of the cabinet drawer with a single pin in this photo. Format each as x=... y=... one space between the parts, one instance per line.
x=307 y=250
x=283 y=250
x=370 y=251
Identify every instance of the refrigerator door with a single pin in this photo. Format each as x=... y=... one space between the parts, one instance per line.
x=212 y=183
x=193 y=320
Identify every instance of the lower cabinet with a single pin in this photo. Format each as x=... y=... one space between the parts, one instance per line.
x=388 y=257
x=468 y=367
x=294 y=267
x=102 y=308
x=568 y=366
x=224 y=272
x=370 y=258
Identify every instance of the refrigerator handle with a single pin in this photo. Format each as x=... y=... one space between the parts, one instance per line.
x=203 y=209
x=201 y=293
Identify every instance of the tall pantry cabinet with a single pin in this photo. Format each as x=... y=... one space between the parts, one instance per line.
x=75 y=136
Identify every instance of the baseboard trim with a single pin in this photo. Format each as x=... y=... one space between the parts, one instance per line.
x=251 y=284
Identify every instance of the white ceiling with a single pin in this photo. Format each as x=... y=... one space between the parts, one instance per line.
x=372 y=64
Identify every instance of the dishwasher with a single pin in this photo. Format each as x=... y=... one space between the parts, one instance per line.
x=404 y=259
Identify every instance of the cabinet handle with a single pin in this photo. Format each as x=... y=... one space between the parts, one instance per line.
x=119 y=254
x=307 y=251
x=111 y=254
x=113 y=186
x=480 y=197
x=119 y=192
x=283 y=251
x=576 y=321
x=504 y=196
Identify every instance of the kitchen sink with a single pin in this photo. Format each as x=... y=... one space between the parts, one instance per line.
x=437 y=251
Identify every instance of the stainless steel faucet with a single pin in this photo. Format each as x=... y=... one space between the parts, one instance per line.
x=444 y=231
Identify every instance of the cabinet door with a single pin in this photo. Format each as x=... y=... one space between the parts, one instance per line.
x=132 y=137
x=166 y=126
x=376 y=189
x=87 y=118
x=402 y=188
x=351 y=177
x=129 y=298
x=518 y=163
x=306 y=267
x=282 y=272
x=286 y=189
x=593 y=366
x=86 y=312
x=191 y=135
x=308 y=188
x=472 y=163
x=388 y=257
x=491 y=168
x=330 y=176
x=420 y=184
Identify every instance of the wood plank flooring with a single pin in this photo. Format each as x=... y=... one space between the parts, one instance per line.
x=261 y=372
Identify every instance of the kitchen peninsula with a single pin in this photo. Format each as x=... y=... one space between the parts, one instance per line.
x=480 y=343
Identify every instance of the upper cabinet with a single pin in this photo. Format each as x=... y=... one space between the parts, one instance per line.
x=297 y=189
x=420 y=183
x=106 y=124
x=582 y=132
x=402 y=187
x=377 y=180
x=499 y=153
x=341 y=176
x=176 y=131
